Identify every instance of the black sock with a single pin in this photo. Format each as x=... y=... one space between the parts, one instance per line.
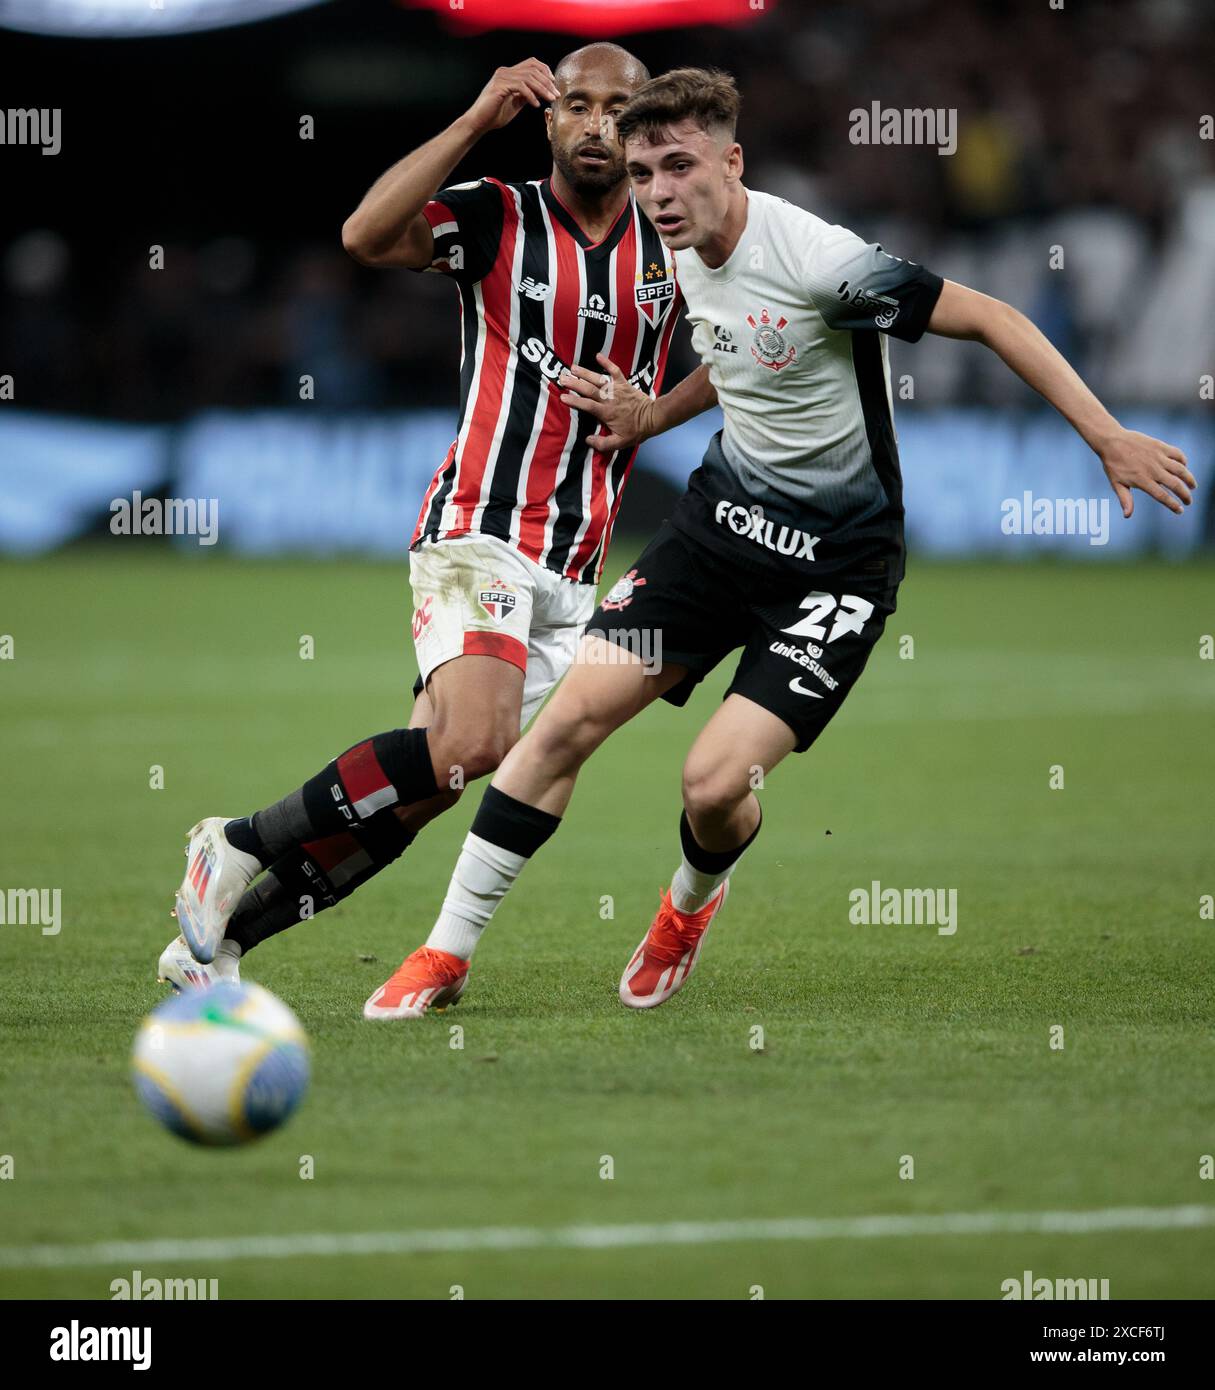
x=511 y=824
x=392 y=769
x=308 y=879
x=711 y=861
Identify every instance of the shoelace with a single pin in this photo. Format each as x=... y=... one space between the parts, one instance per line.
x=678 y=936
x=436 y=964
x=437 y=970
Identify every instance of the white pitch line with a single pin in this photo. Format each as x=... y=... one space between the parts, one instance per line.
x=488 y=1238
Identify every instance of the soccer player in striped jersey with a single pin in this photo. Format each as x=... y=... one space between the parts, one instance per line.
x=787 y=544
x=510 y=541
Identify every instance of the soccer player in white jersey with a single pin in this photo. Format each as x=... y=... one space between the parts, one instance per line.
x=787 y=544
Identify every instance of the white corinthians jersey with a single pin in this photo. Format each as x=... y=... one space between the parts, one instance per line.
x=805 y=474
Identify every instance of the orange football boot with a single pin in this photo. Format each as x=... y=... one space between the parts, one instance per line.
x=427 y=979
x=667 y=955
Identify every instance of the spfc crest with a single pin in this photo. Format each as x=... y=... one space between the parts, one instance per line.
x=655 y=291
x=498 y=599
x=770 y=347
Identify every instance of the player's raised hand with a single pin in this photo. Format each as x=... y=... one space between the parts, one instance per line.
x=1132 y=459
x=508 y=91
x=625 y=412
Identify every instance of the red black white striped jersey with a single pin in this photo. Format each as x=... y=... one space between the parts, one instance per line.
x=536 y=295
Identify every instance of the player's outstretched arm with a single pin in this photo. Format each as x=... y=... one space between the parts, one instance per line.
x=387 y=228
x=626 y=413
x=1130 y=459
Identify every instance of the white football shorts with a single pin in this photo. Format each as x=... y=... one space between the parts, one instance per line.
x=478 y=596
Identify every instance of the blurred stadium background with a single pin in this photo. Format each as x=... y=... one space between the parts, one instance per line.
x=146 y=688
x=1076 y=130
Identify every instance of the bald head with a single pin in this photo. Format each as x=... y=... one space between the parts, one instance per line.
x=610 y=55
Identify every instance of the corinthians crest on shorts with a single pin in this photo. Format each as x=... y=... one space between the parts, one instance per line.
x=620 y=595
x=770 y=347
x=498 y=599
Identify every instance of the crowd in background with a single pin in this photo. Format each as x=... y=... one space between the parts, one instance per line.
x=1077 y=133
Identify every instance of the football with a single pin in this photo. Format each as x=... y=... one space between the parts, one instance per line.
x=223 y=1065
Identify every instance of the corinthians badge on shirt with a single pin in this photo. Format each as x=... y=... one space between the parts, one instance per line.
x=498 y=599
x=769 y=347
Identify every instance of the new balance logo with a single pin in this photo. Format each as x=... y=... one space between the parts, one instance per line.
x=534 y=289
x=785 y=540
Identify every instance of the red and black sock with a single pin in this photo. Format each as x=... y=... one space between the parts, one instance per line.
x=315 y=876
x=389 y=770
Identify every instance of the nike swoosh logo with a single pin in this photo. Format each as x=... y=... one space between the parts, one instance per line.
x=796 y=685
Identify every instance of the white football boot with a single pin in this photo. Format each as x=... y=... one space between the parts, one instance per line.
x=179 y=968
x=216 y=875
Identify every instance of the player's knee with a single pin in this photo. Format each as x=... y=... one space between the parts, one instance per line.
x=485 y=753
x=711 y=792
x=461 y=754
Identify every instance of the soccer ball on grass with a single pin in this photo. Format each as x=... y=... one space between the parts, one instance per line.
x=222 y=1065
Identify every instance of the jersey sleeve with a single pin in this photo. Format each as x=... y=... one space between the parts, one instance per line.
x=856 y=285
x=466 y=222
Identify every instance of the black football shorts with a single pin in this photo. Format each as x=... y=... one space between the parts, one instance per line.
x=804 y=642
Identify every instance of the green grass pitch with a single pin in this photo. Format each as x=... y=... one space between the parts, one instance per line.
x=1077 y=906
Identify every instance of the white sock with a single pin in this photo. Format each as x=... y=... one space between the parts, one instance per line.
x=691 y=889
x=483 y=874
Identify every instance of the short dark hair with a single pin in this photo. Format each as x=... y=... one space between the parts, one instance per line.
x=707 y=96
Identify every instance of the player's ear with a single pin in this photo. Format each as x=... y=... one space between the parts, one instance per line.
x=734 y=161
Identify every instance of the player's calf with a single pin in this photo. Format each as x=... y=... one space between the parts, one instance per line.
x=386 y=771
x=316 y=876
